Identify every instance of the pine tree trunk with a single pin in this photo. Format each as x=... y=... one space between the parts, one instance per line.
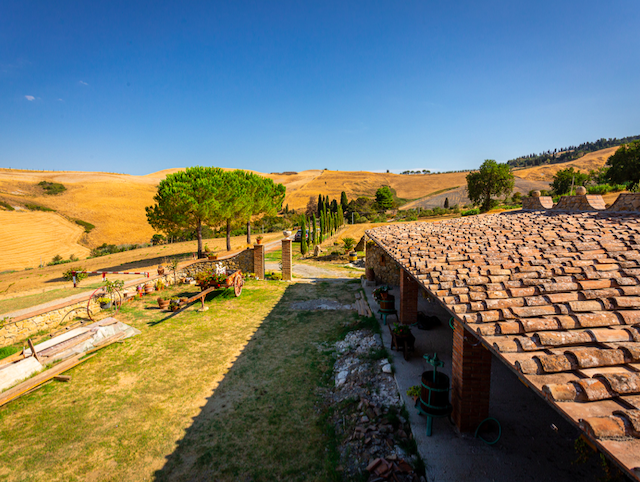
x=228 y=234
x=199 y=234
x=248 y=232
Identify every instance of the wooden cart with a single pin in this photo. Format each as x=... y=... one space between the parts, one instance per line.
x=235 y=280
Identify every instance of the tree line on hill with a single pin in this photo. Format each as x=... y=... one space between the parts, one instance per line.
x=570 y=153
x=621 y=172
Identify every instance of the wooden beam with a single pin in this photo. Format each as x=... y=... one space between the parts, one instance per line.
x=62 y=367
x=33 y=349
x=41 y=378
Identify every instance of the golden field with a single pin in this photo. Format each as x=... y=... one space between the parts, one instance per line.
x=115 y=203
x=591 y=161
x=54 y=234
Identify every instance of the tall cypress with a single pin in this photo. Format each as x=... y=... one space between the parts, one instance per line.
x=315 y=231
x=303 y=238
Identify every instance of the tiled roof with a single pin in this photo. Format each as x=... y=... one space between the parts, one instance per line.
x=555 y=295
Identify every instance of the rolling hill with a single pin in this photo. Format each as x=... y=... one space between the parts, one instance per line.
x=114 y=203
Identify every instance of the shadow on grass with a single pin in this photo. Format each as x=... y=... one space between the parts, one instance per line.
x=223 y=294
x=262 y=421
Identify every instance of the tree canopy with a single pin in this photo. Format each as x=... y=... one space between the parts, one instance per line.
x=565 y=178
x=189 y=199
x=209 y=196
x=624 y=165
x=492 y=179
x=384 y=198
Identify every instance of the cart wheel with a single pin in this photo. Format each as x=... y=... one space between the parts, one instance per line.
x=237 y=285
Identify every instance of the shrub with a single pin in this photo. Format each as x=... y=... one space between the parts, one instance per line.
x=272 y=275
x=38 y=207
x=57 y=259
x=7 y=206
x=348 y=243
x=52 y=188
x=87 y=226
x=68 y=275
x=157 y=239
x=471 y=212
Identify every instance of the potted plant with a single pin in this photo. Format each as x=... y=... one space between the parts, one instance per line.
x=105 y=303
x=259 y=239
x=212 y=255
x=159 y=285
x=163 y=303
x=402 y=339
x=148 y=288
x=160 y=270
x=381 y=293
x=174 y=304
x=414 y=393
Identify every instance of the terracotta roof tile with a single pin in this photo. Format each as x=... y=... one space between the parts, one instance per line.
x=555 y=295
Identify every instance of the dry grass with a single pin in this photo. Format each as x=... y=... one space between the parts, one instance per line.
x=226 y=395
x=20 y=246
x=591 y=161
x=306 y=184
x=115 y=203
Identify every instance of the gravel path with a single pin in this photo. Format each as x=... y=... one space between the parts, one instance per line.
x=307 y=271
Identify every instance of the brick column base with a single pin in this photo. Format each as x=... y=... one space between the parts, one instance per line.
x=258 y=260
x=470 y=380
x=287 y=259
x=408 y=299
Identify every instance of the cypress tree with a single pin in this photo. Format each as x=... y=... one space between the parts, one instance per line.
x=303 y=238
x=334 y=206
x=446 y=203
x=320 y=203
x=315 y=231
x=344 y=202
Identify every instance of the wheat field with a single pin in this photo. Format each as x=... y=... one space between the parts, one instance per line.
x=591 y=161
x=52 y=235
x=114 y=203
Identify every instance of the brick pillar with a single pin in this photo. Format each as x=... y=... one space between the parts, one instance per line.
x=408 y=299
x=287 y=259
x=258 y=260
x=470 y=380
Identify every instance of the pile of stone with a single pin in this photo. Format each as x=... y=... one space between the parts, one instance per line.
x=399 y=471
x=367 y=412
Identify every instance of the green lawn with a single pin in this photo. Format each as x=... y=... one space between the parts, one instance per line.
x=228 y=394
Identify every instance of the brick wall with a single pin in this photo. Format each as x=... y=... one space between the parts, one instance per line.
x=470 y=380
x=258 y=260
x=408 y=299
x=386 y=270
x=287 y=259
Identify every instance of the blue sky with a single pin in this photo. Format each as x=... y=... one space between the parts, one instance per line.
x=136 y=87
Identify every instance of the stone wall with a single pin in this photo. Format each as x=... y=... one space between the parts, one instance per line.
x=386 y=269
x=537 y=203
x=16 y=329
x=242 y=261
x=627 y=201
x=580 y=203
x=13 y=331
